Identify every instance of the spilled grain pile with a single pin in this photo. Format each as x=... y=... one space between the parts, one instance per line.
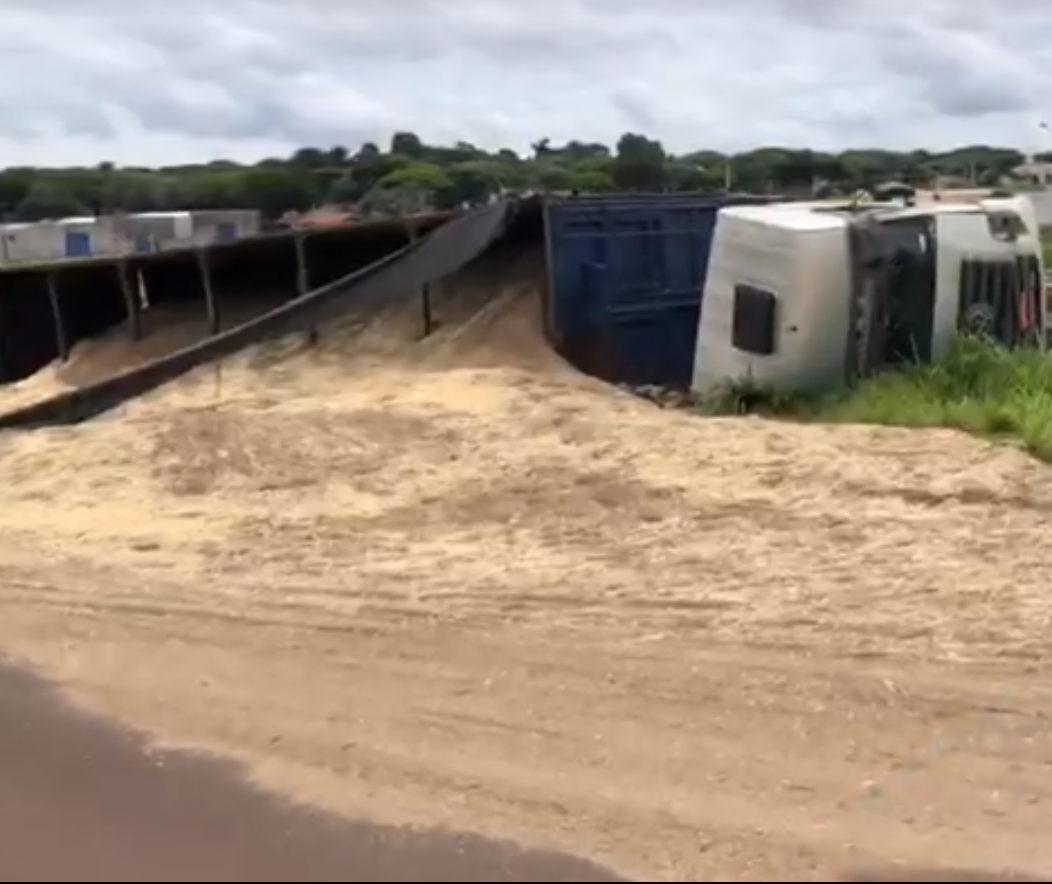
x=454 y=456
x=165 y=328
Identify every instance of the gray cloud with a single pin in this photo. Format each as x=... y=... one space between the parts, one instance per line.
x=81 y=82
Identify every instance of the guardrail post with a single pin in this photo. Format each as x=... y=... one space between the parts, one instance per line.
x=427 y=319
x=204 y=267
x=61 y=341
x=131 y=300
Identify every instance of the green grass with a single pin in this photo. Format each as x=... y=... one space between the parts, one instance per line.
x=978 y=387
x=1046 y=245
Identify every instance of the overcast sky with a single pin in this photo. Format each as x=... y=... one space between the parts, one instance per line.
x=161 y=82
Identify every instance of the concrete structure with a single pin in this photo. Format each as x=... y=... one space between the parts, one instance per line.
x=225 y=225
x=89 y=236
x=21 y=243
x=1034 y=171
x=45 y=241
x=157 y=231
x=154 y=231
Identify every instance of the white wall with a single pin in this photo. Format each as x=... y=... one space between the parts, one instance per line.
x=178 y=230
x=28 y=243
x=116 y=235
x=207 y=224
x=1042 y=200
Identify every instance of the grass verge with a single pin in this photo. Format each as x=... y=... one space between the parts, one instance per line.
x=978 y=386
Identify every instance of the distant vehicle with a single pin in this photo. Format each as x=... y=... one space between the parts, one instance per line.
x=895 y=190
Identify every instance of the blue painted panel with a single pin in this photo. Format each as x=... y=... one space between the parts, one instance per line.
x=226 y=232
x=627 y=273
x=78 y=244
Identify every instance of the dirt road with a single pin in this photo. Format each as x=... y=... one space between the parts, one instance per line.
x=653 y=753
x=473 y=589
x=81 y=800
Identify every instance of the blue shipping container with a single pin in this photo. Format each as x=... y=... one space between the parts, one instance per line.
x=626 y=277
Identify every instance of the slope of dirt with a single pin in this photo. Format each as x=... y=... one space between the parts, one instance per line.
x=452 y=581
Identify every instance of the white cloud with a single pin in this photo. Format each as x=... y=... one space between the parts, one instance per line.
x=140 y=83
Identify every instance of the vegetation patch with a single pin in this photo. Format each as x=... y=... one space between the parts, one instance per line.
x=978 y=386
x=1046 y=246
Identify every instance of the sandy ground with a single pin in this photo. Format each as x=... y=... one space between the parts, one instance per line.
x=123 y=811
x=456 y=583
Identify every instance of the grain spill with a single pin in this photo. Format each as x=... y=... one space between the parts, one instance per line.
x=454 y=581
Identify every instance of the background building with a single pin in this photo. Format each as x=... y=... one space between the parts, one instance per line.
x=89 y=236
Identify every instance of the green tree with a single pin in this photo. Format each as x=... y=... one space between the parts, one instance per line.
x=640 y=164
x=409 y=188
x=15 y=184
x=408 y=144
x=48 y=199
x=413 y=174
x=277 y=190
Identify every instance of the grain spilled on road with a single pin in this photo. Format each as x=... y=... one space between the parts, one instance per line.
x=453 y=580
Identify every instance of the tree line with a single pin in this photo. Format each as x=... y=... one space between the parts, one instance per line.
x=410 y=175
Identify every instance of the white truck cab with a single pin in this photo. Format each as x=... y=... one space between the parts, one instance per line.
x=808 y=296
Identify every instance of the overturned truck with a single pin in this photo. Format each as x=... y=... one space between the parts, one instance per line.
x=809 y=296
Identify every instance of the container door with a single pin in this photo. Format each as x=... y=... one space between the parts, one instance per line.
x=78 y=244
